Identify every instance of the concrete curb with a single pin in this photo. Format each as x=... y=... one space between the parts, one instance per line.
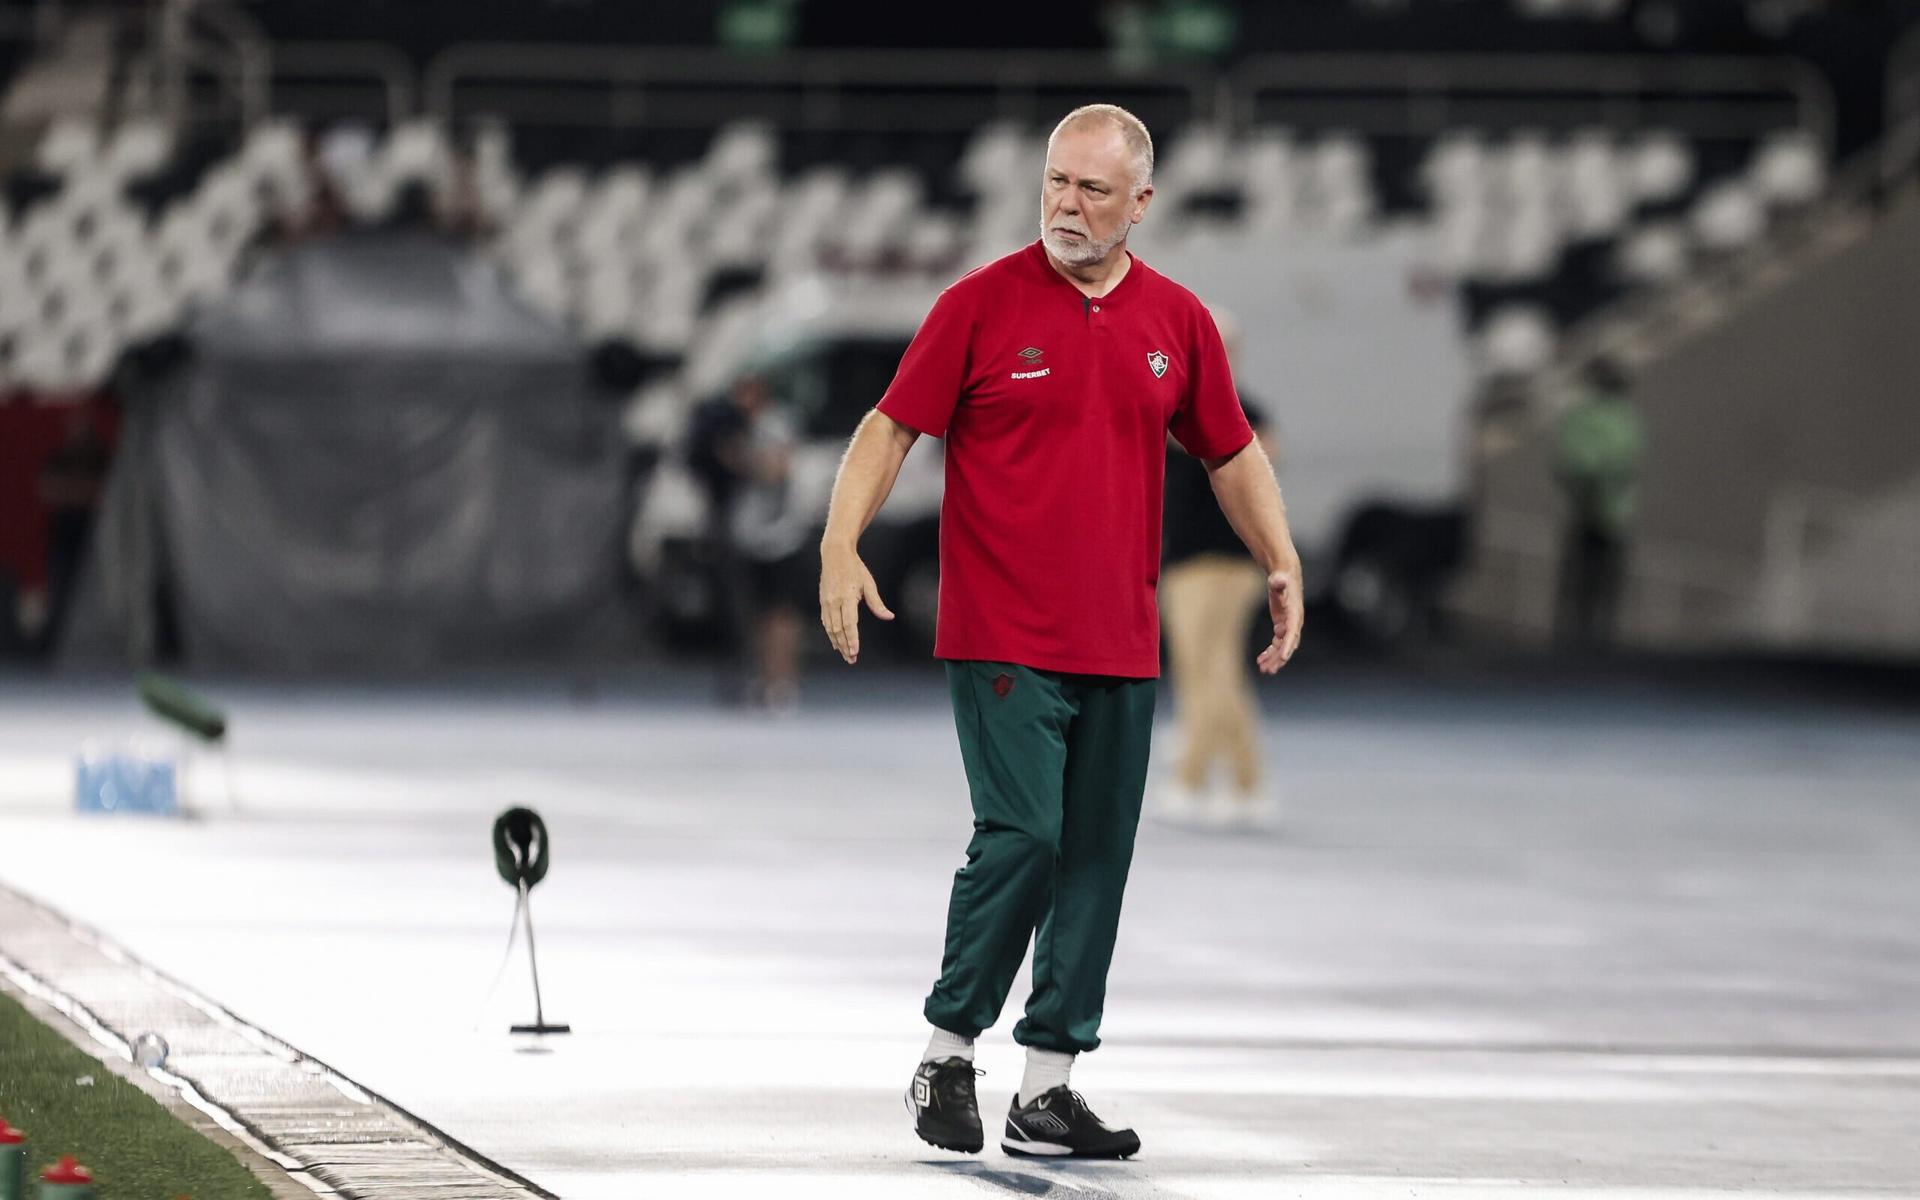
x=302 y=1127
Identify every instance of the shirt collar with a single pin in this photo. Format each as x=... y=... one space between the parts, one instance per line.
x=1037 y=254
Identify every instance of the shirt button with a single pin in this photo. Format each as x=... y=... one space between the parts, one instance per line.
x=1096 y=308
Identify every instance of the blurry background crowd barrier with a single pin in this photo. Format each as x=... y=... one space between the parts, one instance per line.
x=351 y=336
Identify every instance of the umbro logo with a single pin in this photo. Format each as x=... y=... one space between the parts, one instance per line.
x=1032 y=356
x=1046 y=1122
x=922 y=1094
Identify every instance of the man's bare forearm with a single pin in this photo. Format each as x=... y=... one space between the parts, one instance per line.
x=1244 y=485
x=867 y=472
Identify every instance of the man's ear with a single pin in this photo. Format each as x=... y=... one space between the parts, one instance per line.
x=1145 y=197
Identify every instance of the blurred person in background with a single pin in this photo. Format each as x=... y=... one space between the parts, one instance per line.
x=1209 y=590
x=54 y=459
x=1597 y=452
x=774 y=535
x=740 y=448
x=1055 y=375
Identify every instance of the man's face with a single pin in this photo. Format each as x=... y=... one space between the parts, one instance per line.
x=1087 y=201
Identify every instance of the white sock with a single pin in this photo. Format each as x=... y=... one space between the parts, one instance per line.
x=1046 y=1069
x=948 y=1045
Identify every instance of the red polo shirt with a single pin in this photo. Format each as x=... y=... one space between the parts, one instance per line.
x=1056 y=408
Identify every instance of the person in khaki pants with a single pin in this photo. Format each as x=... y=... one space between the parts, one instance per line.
x=1209 y=591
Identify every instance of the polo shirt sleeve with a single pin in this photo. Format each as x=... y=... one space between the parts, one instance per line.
x=1209 y=422
x=933 y=371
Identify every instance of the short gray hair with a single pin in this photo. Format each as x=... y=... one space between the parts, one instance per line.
x=1132 y=129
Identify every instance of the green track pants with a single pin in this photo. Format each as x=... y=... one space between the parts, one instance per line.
x=1056 y=764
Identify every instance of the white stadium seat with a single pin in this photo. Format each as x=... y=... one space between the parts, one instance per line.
x=880 y=209
x=356 y=165
x=17 y=304
x=809 y=210
x=1729 y=215
x=118 y=247
x=612 y=214
x=1653 y=253
x=1517 y=338
x=137 y=149
x=43 y=241
x=608 y=300
x=1593 y=186
x=274 y=158
x=69 y=296
x=228 y=210
x=90 y=349
x=1458 y=170
x=1271 y=180
x=191 y=266
x=741 y=152
x=542 y=282
x=1201 y=159
x=274 y=148
x=417 y=151
x=1525 y=171
x=1001 y=156
x=1338 y=196
x=40 y=361
x=1527 y=244
x=1788 y=169
x=141 y=307
x=669 y=310
x=496 y=184
x=66 y=355
x=1661 y=165
x=673 y=226
x=932 y=240
x=725 y=340
x=71 y=144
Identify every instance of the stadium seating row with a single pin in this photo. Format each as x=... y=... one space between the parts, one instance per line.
x=1537 y=228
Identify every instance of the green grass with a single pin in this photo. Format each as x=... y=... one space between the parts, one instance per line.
x=136 y=1149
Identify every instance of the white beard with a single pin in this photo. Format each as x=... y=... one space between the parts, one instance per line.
x=1082 y=253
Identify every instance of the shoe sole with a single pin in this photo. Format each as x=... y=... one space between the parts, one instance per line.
x=913 y=1110
x=956 y=1147
x=1053 y=1150
x=1035 y=1149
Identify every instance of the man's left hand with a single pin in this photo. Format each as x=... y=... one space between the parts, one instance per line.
x=1288 y=608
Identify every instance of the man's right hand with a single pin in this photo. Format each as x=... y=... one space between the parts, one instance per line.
x=844 y=583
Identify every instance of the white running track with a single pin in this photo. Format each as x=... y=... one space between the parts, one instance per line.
x=1506 y=944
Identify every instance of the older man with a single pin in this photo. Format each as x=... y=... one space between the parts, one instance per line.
x=1055 y=375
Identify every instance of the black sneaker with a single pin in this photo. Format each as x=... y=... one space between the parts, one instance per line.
x=945 y=1113
x=1059 y=1124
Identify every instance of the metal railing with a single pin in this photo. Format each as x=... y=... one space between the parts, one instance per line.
x=623 y=86
x=369 y=80
x=1672 y=594
x=1425 y=94
x=902 y=91
x=1806 y=532
x=1708 y=96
